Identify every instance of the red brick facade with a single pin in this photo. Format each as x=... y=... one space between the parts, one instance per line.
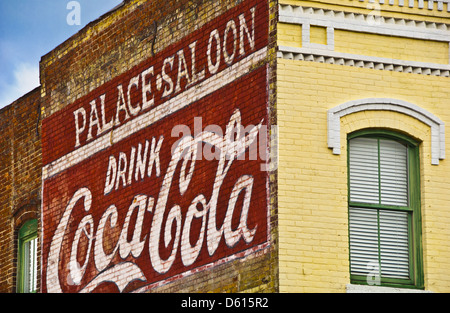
x=155 y=154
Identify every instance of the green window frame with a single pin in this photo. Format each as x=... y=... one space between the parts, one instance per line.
x=385 y=244
x=27 y=258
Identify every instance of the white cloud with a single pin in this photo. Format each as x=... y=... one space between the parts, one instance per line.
x=25 y=79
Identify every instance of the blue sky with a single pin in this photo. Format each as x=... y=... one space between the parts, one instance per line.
x=30 y=29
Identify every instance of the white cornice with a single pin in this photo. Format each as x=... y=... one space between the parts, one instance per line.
x=332 y=19
x=332 y=57
x=420 y=4
x=364 y=23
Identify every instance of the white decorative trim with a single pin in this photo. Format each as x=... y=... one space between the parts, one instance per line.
x=420 y=4
x=351 y=288
x=332 y=57
x=330 y=38
x=385 y=104
x=306 y=39
x=366 y=23
x=332 y=20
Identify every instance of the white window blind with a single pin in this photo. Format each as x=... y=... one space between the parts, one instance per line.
x=363 y=240
x=27 y=271
x=378 y=170
x=30 y=265
x=393 y=173
x=364 y=185
x=394 y=254
x=379 y=237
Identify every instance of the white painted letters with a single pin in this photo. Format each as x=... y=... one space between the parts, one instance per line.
x=79 y=129
x=221 y=49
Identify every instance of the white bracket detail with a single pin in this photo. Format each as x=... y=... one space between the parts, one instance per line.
x=385 y=104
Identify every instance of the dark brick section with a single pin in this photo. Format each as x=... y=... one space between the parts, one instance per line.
x=20 y=176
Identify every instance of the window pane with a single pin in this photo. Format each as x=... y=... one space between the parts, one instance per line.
x=363 y=240
x=30 y=266
x=27 y=257
x=383 y=241
x=394 y=249
x=364 y=185
x=379 y=228
x=393 y=173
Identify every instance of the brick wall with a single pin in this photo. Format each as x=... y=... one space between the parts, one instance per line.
x=313 y=218
x=20 y=175
x=126 y=84
x=312 y=178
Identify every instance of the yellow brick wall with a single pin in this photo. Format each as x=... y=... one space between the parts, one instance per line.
x=392 y=47
x=313 y=182
x=318 y=35
x=289 y=35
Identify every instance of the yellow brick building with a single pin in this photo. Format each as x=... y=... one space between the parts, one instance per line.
x=358 y=198
x=362 y=71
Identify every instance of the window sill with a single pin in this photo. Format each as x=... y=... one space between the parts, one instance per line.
x=351 y=288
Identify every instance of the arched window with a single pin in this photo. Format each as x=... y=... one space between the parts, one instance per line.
x=384 y=209
x=27 y=258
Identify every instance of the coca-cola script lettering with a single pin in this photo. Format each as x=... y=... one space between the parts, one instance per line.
x=186 y=152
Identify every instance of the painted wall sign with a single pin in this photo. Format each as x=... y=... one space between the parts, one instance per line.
x=159 y=173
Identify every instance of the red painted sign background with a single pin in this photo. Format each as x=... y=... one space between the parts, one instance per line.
x=103 y=241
